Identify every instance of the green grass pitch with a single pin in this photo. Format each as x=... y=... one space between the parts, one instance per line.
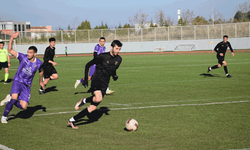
x=176 y=107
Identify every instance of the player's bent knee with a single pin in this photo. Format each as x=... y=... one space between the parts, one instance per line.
x=24 y=104
x=91 y=108
x=219 y=65
x=225 y=63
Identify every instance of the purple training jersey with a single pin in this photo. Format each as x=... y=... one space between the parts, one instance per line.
x=99 y=49
x=26 y=70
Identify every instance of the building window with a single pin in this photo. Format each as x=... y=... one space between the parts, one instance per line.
x=27 y=26
x=19 y=27
x=15 y=27
x=23 y=27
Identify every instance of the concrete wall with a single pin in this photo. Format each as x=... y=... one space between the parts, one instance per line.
x=237 y=43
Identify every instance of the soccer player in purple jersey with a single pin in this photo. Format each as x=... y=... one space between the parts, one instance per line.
x=20 y=91
x=99 y=48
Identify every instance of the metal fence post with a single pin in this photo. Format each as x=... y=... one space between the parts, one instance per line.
x=155 y=34
x=168 y=33
x=181 y=32
x=141 y=34
x=249 y=29
x=235 y=26
x=88 y=36
x=75 y=36
x=115 y=33
x=221 y=30
x=194 y=32
x=128 y=34
x=101 y=32
x=62 y=36
x=208 y=31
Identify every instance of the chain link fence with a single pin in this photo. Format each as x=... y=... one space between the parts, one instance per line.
x=233 y=30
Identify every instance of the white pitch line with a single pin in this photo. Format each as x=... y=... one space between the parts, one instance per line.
x=5 y=147
x=145 y=107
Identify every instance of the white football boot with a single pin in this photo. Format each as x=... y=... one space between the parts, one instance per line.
x=4 y=119
x=77 y=83
x=6 y=100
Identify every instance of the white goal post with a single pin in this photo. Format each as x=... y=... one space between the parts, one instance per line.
x=185 y=47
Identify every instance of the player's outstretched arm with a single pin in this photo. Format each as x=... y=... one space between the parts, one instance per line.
x=10 y=50
x=8 y=60
x=231 y=49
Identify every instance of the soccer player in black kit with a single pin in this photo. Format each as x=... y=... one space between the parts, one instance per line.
x=49 y=70
x=221 y=49
x=106 y=66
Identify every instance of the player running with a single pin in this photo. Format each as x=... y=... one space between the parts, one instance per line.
x=49 y=70
x=4 y=61
x=106 y=66
x=99 y=48
x=221 y=49
x=20 y=91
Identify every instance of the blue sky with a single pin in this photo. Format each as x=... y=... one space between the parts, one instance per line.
x=63 y=12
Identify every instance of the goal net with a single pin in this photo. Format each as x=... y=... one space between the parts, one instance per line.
x=185 y=47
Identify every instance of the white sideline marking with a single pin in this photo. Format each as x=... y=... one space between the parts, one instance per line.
x=5 y=147
x=159 y=106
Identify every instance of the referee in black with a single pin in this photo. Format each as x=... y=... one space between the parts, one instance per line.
x=49 y=70
x=106 y=66
x=221 y=49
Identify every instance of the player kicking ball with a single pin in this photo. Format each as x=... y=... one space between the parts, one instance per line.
x=221 y=49
x=20 y=91
x=49 y=70
x=4 y=61
x=99 y=48
x=106 y=66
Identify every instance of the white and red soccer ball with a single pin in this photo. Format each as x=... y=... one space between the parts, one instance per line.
x=131 y=125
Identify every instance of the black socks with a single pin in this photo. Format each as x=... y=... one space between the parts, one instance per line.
x=214 y=67
x=81 y=114
x=225 y=68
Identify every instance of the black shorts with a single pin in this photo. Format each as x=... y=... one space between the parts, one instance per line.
x=48 y=71
x=4 y=65
x=98 y=85
x=220 y=59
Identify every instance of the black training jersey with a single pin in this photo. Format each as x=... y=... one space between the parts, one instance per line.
x=106 y=66
x=222 y=47
x=49 y=55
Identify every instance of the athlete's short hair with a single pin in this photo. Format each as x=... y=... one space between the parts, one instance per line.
x=225 y=36
x=33 y=48
x=2 y=42
x=116 y=42
x=52 y=39
x=102 y=38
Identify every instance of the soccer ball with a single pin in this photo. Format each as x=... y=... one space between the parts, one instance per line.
x=131 y=125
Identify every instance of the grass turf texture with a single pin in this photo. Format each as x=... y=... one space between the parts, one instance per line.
x=174 y=105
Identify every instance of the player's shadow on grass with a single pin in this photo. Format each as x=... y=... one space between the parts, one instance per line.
x=94 y=116
x=80 y=92
x=209 y=75
x=27 y=113
x=50 y=89
x=9 y=80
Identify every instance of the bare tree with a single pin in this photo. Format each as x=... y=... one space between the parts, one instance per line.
x=169 y=21
x=160 y=17
x=187 y=16
x=139 y=18
x=218 y=17
x=243 y=8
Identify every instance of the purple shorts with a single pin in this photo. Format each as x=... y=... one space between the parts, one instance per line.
x=22 y=90
x=92 y=70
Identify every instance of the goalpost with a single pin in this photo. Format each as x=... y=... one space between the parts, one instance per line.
x=185 y=47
